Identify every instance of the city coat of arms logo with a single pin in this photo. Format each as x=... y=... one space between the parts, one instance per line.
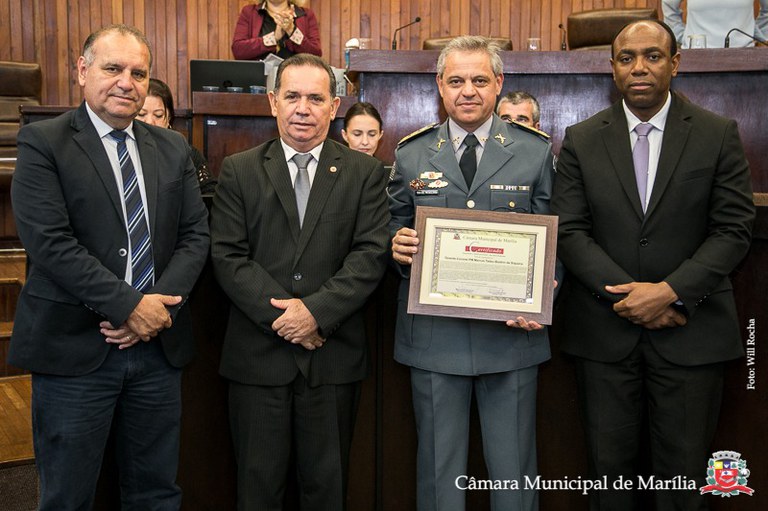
x=727 y=475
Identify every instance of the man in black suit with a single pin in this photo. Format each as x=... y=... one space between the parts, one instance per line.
x=299 y=241
x=110 y=214
x=649 y=311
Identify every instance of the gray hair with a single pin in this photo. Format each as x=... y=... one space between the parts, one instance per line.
x=306 y=59
x=471 y=43
x=518 y=97
x=88 y=52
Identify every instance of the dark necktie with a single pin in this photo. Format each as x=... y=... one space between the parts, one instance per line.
x=142 y=266
x=301 y=186
x=468 y=161
x=640 y=155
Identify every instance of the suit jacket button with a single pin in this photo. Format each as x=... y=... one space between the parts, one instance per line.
x=122 y=252
x=644 y=242
x=470 y=204
x=297 y=276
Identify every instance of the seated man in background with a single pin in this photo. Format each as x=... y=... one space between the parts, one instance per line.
x=521 y=107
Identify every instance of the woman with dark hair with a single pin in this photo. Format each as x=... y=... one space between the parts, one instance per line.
x=158 y=111
x=362 y=128
x=276 y=26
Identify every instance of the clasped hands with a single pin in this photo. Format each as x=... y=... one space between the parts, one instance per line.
x=147 y=320
x=296 y=325
x=648 y=304
x=284 y=23
x=405 y=243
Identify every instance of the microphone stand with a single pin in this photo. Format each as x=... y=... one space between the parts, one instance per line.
x=727 y=43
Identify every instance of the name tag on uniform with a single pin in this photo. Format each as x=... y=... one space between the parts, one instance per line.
x=511 y=188
x=427 y=192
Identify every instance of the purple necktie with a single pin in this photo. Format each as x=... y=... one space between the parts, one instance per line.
x=640 y=159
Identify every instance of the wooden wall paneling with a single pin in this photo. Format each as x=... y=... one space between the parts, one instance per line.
x=399 y=16
x=6 y=32
x=546 y=27
x=27 y=36
x=14 y=30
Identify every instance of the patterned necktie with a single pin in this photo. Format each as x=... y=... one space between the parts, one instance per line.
x=640 y=159
x=468 y=161
x=142 y=266
x=301 y=186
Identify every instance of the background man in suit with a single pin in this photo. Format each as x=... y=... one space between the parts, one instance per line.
x=520 y=106
x=110 y=214
x=295 y=348
x=650 y=314
x=451 y=357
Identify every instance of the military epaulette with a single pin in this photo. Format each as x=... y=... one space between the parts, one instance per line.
x=539 y=133
x=418 y=133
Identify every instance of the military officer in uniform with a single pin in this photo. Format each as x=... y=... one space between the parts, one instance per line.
x=474 y=160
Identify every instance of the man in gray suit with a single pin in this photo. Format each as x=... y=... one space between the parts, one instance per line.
x=299 y=242
x=655 y=207
x=451 y=358
x=110 y=215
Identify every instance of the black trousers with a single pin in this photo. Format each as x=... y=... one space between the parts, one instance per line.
x=273 y=425
x=682 y=404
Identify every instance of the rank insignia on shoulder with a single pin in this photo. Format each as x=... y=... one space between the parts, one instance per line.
x=418 y=133
x=539 y=133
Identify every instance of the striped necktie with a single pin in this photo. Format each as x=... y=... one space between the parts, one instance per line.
x=142 y=266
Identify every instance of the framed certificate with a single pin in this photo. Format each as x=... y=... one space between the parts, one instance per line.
x=483 y=265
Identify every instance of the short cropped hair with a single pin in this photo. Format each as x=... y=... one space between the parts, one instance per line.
x=470 y=43
x=306 y=59
x=518 y=97
x=121 y=29
x=672 y=40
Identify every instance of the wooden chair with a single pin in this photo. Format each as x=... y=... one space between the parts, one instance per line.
x=595 y=29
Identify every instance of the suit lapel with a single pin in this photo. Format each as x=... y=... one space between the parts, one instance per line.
x=615 y=135
x=329 y=167
x=277 y=172
x=149 y=170
x=495 y=154
x=673 y=142
x=444 y=159
x=88 y=140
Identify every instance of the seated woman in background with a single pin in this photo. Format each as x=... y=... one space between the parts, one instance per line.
x=280 y=27
x=362 y=128
x=158 y=111
x=714 y=19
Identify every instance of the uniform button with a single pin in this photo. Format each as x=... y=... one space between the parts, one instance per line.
x=123 y=252
x=644 y=242
x=470 y=204
x=511 y=204
x=297 y=276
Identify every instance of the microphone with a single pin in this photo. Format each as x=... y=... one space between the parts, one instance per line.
x=563 y=46
x=394 y=36
x=728 y=38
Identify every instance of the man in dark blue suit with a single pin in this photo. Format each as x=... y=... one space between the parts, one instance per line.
x=656 y=210
x=110 y=214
